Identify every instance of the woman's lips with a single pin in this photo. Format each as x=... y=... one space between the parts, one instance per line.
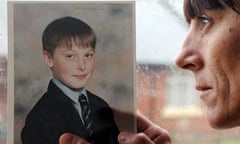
x=203 y=88
x=204 y=91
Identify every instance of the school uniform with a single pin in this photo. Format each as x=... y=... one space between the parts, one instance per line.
x=55 y=113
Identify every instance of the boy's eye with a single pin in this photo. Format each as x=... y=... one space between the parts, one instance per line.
x=89 y=55
x=70 y=56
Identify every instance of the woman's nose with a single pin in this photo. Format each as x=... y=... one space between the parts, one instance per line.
x=189 y=62
x=189 y=57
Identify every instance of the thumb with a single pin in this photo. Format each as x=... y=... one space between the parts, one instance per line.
x=133 y=138
x=68 y=138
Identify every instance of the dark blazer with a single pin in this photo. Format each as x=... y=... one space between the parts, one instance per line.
x=54 y=114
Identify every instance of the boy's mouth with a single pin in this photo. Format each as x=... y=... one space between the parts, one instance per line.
x=80 y=76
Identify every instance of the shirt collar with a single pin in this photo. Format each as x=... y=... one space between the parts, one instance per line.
x=73 y=95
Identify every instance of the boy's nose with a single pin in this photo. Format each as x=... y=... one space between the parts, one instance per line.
x=81 y=65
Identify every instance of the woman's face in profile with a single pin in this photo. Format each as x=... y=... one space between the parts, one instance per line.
x=211 y=51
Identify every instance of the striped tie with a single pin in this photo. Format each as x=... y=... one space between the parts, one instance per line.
x=86 y=113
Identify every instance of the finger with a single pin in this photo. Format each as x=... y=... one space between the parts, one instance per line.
x=157 y=133
x=68 y=138
x=65 y=139
x=153 y=131
x=143 y=123
x=132 y=138
x=162 y=140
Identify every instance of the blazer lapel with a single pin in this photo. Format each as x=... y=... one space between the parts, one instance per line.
x=71 y=114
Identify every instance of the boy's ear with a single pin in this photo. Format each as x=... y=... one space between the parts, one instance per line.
x=48 y=59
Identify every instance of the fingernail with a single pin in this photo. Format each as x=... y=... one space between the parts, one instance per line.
x=122 y=139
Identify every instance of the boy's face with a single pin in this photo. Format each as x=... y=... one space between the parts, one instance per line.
x=72 y=66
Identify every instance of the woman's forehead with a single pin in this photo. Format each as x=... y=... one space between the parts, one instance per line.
x=193 y=8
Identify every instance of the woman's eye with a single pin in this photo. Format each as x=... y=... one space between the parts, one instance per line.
x=204 y=21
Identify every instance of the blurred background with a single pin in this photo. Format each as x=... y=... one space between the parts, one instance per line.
x=3 y=98
x=164 y=93
x=3 y=73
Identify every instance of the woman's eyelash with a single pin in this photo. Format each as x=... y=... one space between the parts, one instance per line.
x=204 y=19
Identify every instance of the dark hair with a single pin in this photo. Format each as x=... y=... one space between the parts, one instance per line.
x=193 y=8
x=66 y=31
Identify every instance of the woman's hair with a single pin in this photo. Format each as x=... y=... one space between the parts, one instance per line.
x=193 y=8
x=67 y=31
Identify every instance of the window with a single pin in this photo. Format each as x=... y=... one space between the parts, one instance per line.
x=181 y=96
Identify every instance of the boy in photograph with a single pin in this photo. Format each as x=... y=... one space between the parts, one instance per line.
x=67 y=106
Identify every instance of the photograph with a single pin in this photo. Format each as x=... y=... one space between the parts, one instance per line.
x=119 y=72
x=73 y=70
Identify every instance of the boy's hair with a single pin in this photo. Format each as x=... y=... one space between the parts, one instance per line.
x=67 y=31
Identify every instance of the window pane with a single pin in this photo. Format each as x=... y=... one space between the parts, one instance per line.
x=165 y=94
